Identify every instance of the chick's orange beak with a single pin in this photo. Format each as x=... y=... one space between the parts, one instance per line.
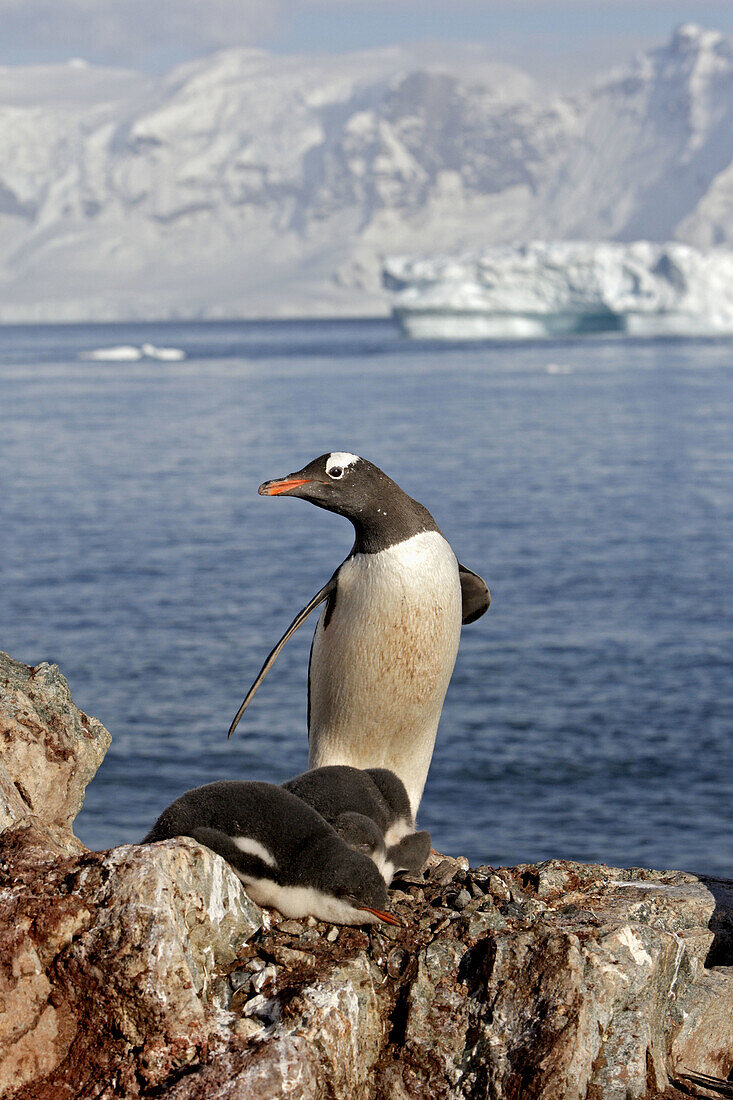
x=388 y=918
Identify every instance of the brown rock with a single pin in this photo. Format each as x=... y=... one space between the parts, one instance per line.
x=146 y=970
x=498 y=888
x=437 y=1018
x=109 y=961
x=602 y=992
x=288 y=956
x=50 y=750
x=442 y=869
x=702 y=1040
x=12 y=806
x=325 y=1044
x=721 y=925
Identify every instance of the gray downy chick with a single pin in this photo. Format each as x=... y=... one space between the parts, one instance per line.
x=284 y=852
x=370 y=810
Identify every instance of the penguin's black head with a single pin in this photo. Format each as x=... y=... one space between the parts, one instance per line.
x=341 y=482
x=338 y=481
x=357 y=882
x=360 y=833
x=349 y=886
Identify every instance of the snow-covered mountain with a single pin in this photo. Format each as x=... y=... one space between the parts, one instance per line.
x=250 y=184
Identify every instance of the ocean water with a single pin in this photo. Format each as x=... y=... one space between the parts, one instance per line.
x=591 y=710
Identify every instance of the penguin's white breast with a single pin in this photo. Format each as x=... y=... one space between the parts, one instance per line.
x=381 y=668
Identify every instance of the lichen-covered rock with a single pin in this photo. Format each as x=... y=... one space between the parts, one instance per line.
x=579 y=982
x=12 y=806
x=146 y=971
x=312 y=1035
x=109 y=961
x=702 y=1040
x=555 y=980
x=49 y=749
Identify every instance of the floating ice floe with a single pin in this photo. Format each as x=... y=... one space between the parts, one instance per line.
x=128 y=353
x=549 y=289
x=166 y=354
x=124 y=353
x=558 y=368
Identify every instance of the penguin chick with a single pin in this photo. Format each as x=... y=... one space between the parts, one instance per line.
x=284 y=852
x=361 y=833
x=386 y=642
x=370 y=810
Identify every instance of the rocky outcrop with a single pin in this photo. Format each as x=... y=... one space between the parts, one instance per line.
x=110 y=964
x=49 y=749
x=146 y=971
x=556 y=980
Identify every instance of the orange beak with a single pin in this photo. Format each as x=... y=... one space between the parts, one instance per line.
x=386 y=917
x=274 y=488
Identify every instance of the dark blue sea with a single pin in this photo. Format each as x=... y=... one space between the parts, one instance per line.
x=590 y=482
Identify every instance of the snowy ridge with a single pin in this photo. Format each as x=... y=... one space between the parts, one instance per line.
x=248 y=184
x=554 y=288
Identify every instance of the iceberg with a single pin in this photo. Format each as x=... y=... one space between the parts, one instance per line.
x=122 y=353
x=129 y=353
x=166 y=355
x=564 y=288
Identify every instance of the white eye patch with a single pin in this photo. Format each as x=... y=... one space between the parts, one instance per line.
x=340 y=460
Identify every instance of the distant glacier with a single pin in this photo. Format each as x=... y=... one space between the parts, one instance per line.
x=562 y=288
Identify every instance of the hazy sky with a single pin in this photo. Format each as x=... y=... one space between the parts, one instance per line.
x=558 y=38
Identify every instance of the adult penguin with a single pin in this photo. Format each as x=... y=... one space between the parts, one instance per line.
x=386 y=642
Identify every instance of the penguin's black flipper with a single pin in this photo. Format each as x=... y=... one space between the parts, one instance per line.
x=475 y=594
x=243 y=862
x=297 y=621
x=218 y=842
